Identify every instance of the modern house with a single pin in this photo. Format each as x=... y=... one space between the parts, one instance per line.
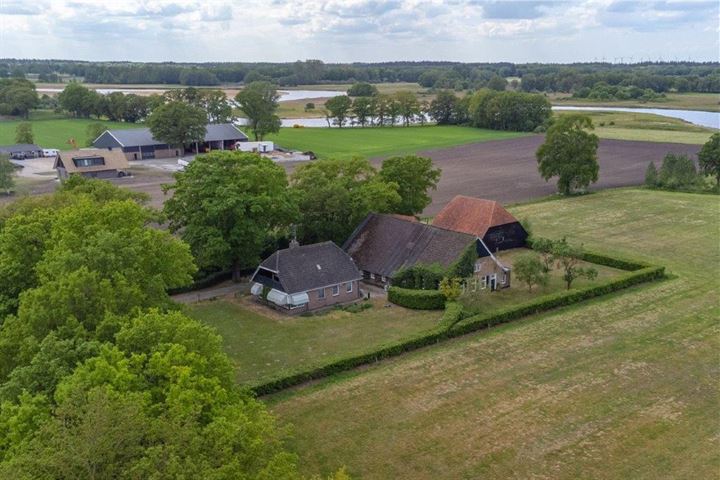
x=484 y=219
x=91 y=163
x=306 y=278
x=21 y=151
x=383 y=244
x=139 y=143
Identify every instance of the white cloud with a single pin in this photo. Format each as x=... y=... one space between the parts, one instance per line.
x=357 y=30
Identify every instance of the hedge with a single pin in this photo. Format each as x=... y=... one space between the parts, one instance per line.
x=453 y=314
x=205 y=282
x=417 y=299
x=470 y=324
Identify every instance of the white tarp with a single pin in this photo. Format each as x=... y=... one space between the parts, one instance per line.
x=299 y=299
x=278 y=297
x=256 y=289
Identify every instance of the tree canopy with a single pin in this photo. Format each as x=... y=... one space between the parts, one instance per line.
x=24 y=133
x=709 y=158
x=259 y=102
x=178 y=123
x=414 y=176
x=335 y=195
x=227 y=205
x=569 y=153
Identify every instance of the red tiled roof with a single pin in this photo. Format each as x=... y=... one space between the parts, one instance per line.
x=473 y=216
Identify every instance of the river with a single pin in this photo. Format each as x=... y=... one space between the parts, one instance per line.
x=697 y=117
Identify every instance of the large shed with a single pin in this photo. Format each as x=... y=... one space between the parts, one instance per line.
x=484 y=219
x=139 y=143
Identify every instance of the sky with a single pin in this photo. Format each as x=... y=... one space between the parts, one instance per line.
x=361 y=30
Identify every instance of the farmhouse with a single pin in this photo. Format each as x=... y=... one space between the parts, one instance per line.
x=383 y=244
x=484 y=219
x=306 y=278
x=91 y=163
x=21 y=151
x=139 y=144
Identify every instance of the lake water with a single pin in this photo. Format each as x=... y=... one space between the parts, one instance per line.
x=698 y=117
x=290 y=95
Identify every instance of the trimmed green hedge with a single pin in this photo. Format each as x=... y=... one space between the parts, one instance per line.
x=417 y=299
x=453 y=314
x=205 y=282
x=470 y=324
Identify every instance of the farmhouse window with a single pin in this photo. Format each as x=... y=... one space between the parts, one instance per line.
x=348 y=287
x=336 y=290
x=484 y=281
x=372 y=276
x=321 y=293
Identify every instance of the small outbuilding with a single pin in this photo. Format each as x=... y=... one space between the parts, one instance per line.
x=91 y=162
x=21 y=151
x=484 y=219
x=306 y=278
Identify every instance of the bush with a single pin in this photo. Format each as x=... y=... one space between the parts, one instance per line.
x=417 y=299
x=464 y=266
x=677 y=172
x=205 y=282
x=453 y=314
x=419 y=277
x=651 y=175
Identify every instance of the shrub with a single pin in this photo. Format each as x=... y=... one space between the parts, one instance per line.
x=419 y=277
x=677 y=171
x=451 y=287
x=453 y=314
x=417 y=299
x=651 y=175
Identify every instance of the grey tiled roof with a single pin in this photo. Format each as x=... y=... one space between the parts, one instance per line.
x=383 y=244
x=308 y=267
x=134 y=137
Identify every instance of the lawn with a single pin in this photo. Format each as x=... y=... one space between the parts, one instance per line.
x=686 y=101
x=264 y=344
x=53 y=130
x=378 y=142
x=644 y=127
x=624 y=386
x=483 y=301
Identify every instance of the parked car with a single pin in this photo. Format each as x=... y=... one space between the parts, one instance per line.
x=50 y=152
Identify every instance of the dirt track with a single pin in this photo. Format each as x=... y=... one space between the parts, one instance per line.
x=506 y=170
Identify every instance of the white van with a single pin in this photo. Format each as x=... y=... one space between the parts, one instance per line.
x=50 y=152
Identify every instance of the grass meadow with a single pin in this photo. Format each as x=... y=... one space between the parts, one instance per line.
x=53 y=130
x=685 y=101
x=624 y=386
x=265 y=345
x=382 y=141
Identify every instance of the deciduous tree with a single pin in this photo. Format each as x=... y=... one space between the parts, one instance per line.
x=569 y=153
x=414 y=176
x=226 y=205
x=335 y=195
x=568 y=258
x=7 y=172
x=529 y=269
x=178 y=123
x=24 y=133
x=259 y=102
x=709 y=158
x=339 y=108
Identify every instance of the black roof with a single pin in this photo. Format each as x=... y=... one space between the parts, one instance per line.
x=19 y=147
x=308 y=267
x=383 y=244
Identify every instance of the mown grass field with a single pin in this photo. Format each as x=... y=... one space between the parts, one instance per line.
x=644 y=127
x=382 y=141
x=265 y=345
x=621 y=387
x=53 y=130
x=687 y=101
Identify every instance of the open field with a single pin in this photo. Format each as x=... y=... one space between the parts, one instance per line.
x=264 y=344
x=644 y=127
x=507 y=170
x=377 y=141
x=687 y=101
x=53 y=130
x=624 y=386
